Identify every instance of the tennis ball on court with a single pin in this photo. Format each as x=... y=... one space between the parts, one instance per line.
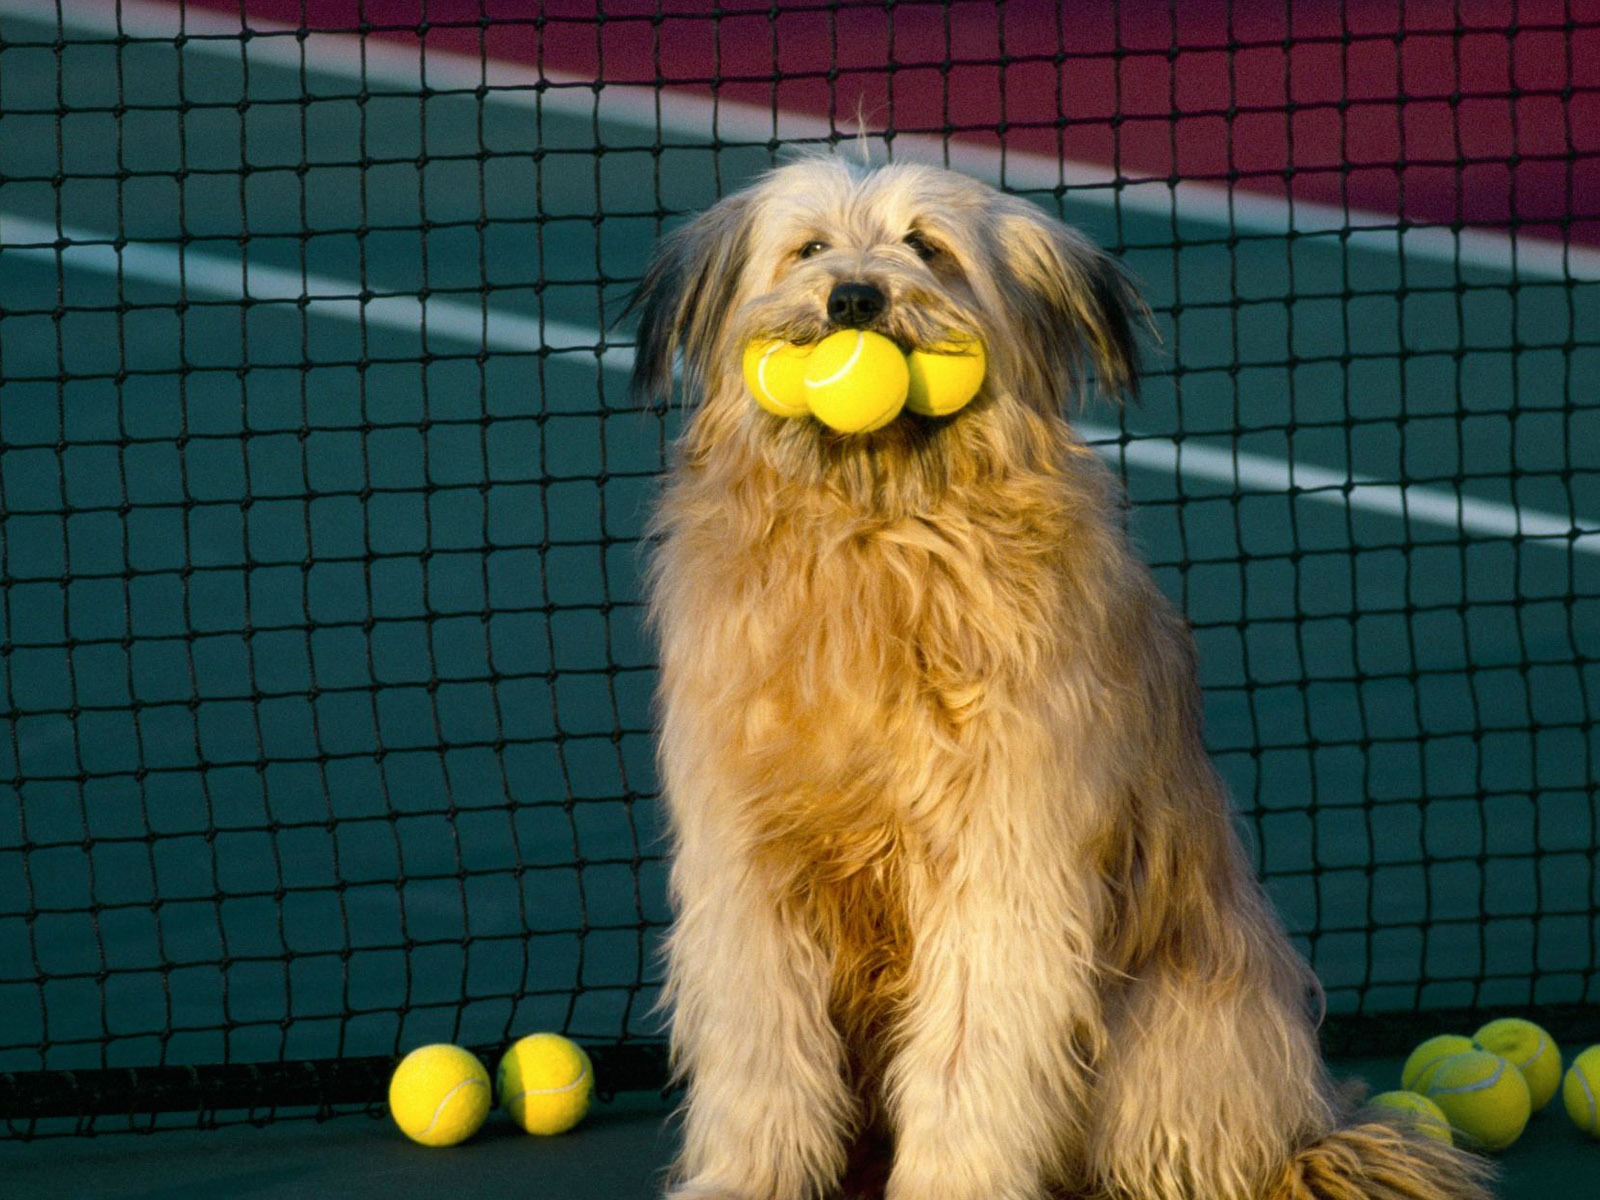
x=856 y=381
x=1431 y=1052
x=545 y=1082
x=439 y=1095
x=774 y=371
x=1528 y=1048
x=945 y=377
x=1484 y=1098
x=1581 y=1091
x=1416 y=1111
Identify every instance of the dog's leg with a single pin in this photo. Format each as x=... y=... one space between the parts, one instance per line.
x=989 y=1082
x=767 y=1109
x=985 y=1089
x=1212 y=1085
x=1207 y=1086
x=1213 y=1088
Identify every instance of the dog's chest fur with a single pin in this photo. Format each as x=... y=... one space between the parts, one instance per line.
x=846 y=636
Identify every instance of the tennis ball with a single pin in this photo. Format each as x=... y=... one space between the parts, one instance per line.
x=774 y=371
x=545 y=1082
x=856 y=381
x=1528 y=1048
x=1430 y=1053
x=1416 y=1111
x=944 y=378
x=1484 y=1098
x=1581 y=1091
x=439 y=1095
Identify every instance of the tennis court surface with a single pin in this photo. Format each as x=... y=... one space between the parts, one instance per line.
x=325 y=725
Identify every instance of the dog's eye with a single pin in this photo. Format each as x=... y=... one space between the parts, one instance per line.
x=920 y=245
x=811 y=248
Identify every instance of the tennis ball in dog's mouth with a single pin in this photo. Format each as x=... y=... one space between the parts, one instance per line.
x=945 y=378
x=774 y=371
x=856 y=381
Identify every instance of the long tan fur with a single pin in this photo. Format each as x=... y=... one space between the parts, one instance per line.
x=952 y=872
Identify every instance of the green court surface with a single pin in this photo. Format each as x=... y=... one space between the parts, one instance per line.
x=328 y=691
x=620 y=1153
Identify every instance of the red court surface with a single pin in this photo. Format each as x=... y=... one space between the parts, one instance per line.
x=1367 y=104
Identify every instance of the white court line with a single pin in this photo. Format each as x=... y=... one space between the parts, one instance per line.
x=691 y=117
x=226 y=278
x=199 y=273
x=697 y=120
x=1431 y=503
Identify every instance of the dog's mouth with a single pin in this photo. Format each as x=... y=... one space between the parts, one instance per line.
x=929 y=337
x=854 y=381
x=911 y=320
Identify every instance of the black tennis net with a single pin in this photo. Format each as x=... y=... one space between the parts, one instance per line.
x=324 y=698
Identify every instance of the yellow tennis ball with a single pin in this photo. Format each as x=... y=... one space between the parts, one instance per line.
x=945 y=378
x=545 y=1082
x=1416 y=1111
x=1581 y=1091
x=1528 y=1048
x=774 y=371
x=1484 y=1098
x=1431 y=1052
x=439 y=1095
x=856 y=381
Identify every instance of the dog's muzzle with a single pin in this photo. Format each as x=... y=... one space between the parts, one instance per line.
x=855 y=305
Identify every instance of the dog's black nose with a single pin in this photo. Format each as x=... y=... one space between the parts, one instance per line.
x=852 y=305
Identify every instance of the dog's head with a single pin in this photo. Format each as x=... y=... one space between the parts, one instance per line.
x=913 y=252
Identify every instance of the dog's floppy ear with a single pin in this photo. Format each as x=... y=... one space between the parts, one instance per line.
x=1073 y=302
x=684 y=298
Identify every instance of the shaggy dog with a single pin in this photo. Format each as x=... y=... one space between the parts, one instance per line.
x=952 y=873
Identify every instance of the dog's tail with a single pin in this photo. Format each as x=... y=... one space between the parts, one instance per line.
x=1377 y=1161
